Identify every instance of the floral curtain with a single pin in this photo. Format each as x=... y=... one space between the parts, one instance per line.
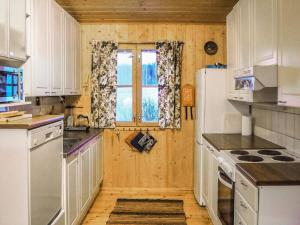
x=169 y=61
x=104 y=84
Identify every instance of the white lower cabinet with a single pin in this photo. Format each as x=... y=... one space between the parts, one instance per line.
x=72 y=186
x=85 y=176
x=83 y=180
x=210 y=181
x=265 y=205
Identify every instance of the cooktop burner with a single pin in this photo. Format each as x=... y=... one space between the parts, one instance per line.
x=239 y=152
x=250 y=158
x=283 y=158
x=269 y=152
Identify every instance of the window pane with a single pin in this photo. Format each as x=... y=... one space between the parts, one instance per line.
x=150 y=104
x=124 y=104
x=124 y=68
x=149 y=76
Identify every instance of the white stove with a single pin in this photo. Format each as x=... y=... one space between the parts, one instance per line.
x=261 y=156
x=229 y=158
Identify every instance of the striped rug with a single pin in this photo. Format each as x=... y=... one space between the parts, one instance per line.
x=147 y=212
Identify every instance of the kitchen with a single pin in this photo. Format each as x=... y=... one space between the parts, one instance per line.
x=78 y=157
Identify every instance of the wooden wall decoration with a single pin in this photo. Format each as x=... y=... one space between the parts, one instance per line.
x=170 y=163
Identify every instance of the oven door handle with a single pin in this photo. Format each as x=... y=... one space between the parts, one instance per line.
x=223 y=181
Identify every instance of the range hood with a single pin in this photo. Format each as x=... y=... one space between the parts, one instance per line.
x=258 y=84
x=4 y=61
x=257 y=78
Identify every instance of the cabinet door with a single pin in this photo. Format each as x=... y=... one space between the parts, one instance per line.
x=95 y=166
x=232 y=53
x=40 y=58
x=206 y=173
x=77 y=63
x=265 y=32
x=100 y=160
x=72 y=191
x=245 y=29
x=214 y=186
x=17 y=29
x=4 y=27
x=69 y=55
x=289 y=53
x=56 y=48
x=85 y=176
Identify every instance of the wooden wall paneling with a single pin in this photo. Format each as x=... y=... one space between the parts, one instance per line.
x=170 y=164
x=92 y=11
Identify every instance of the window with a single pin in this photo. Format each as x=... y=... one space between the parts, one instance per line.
x=137 y=86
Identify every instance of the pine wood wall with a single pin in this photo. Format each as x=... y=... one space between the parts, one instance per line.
x=170 y=164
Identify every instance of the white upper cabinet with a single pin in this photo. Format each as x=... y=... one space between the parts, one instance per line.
x=13 y=29
x=69 y=55
x=40 y=48
x=245 y=34
x=289 y=53
x=4 y=27
x=17 y=29
x=265 y=32
x=72 y=81
x=53 y=68
x=232 y=53
x=56 y=48
x=77 y=35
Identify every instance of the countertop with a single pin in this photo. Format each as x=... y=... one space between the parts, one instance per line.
x=271 y=174
x=34 y=122
x=237 y=141
x=74 y=140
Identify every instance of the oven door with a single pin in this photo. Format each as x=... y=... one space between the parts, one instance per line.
x=225 y=198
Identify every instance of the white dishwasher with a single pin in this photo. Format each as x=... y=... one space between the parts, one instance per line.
x=46 y=146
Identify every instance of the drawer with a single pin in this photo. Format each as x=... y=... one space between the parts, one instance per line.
x=244 y=209
x=247 y=190
x=238 y=220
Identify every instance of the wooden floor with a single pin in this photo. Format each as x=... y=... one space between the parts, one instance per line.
x=106 y=200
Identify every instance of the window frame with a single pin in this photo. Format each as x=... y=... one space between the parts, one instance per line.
x=136 y=85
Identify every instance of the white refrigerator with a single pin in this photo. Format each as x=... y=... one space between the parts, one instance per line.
x=214 y=114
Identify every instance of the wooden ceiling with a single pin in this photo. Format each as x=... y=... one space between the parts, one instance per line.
x=196 y=11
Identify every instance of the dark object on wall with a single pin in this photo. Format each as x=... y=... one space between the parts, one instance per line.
x=188 y=99
x=211 y=48
x=135 y=141
x=217 y=66
x=140 y=141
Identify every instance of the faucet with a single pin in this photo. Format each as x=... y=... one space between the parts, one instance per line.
x=80 y=116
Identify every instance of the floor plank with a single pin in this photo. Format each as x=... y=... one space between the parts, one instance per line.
x=105 y=202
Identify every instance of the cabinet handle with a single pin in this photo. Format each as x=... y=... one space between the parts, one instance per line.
x=240 y=223
x=282 y=102
x=241 y=98
x=53 y=92
x=243 y=205
x=243 y=184
x=47 y=92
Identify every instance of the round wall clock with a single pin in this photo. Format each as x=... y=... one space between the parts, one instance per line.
x=211 y=48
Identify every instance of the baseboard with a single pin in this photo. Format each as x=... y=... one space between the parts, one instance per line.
x=146 y=190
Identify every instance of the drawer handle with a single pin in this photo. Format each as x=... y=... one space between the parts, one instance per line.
x=243 y=184
x=282 y=102
x=243 y=205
